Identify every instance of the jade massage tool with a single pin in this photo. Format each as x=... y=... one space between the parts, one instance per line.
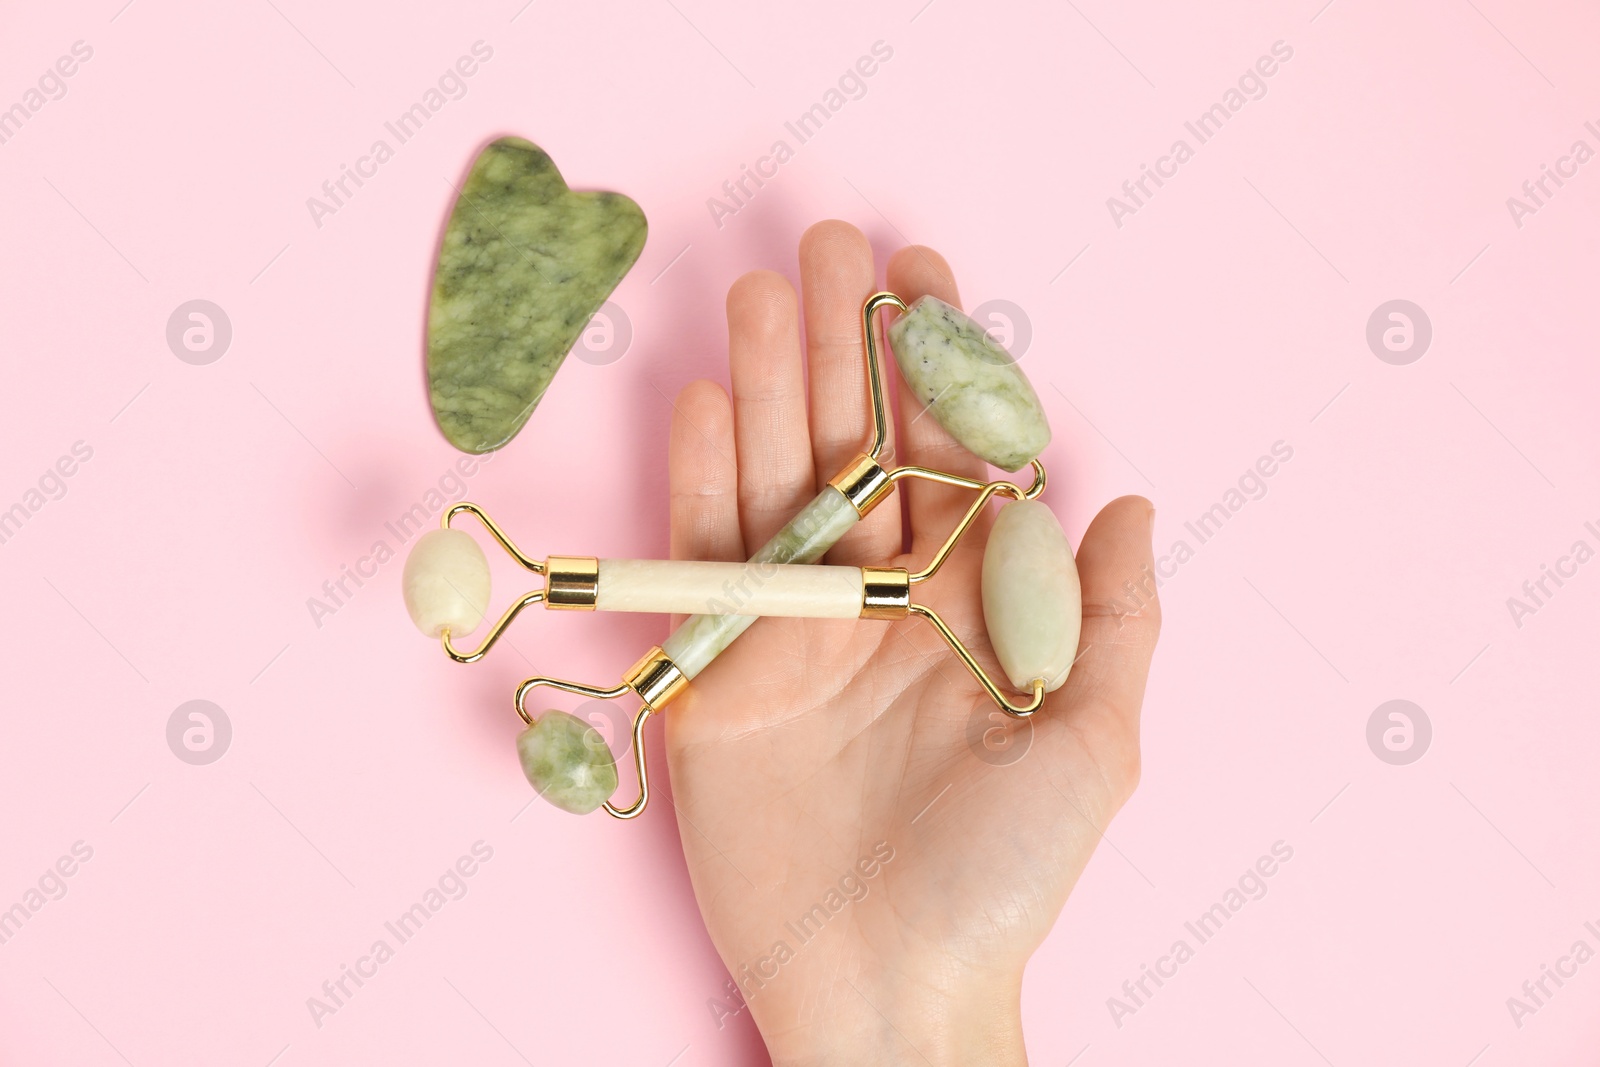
x=1032 y=608
x=970 y=386
x=523 y=266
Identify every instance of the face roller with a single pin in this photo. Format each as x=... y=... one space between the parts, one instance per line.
x=1030 y=588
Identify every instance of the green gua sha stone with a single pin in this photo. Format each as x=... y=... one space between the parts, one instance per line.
x=568 y=762
x=525 y=263
x=970 y=385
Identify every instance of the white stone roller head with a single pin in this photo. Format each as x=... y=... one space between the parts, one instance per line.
x=1032 y=602
x=970 y=385
x=446 y=583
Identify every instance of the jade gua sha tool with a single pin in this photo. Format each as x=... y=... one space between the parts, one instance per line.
x=524 y=264
x=1031 y=594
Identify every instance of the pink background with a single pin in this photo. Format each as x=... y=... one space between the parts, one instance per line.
x=1227 y=314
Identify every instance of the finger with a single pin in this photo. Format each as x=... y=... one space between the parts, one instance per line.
x=769 y=404
x=1121 y=621
x=702 y=477
x=836 y=277
x=934 y=509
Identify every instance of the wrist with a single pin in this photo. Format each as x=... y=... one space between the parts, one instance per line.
x=899 y=1018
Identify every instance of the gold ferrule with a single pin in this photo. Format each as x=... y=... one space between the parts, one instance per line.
x=885 y=592
x=571 y=583
x=656 y=679
x=864 y=483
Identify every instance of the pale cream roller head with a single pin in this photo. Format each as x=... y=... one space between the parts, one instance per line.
x=1032 y=603
x=446 y=583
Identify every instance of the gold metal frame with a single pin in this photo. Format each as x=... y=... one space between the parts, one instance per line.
x=527 y=601
x=880 y=409
x=1020 y=711
x=990 y=489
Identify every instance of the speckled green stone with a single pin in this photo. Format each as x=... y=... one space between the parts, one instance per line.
x=525 y=263
x=568 y=762
x=970 y=385
x=699 y=639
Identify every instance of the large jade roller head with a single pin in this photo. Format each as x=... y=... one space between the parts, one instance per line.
x=1032 y=602
x=969 y=384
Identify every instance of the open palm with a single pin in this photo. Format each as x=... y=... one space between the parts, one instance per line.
x=876 y=850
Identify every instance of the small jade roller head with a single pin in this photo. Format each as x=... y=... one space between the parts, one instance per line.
x=568 y=762
x=970 y=385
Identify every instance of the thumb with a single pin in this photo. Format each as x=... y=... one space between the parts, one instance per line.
x=1121 y=622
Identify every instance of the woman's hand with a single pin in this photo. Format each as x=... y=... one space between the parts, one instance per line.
x=875 y=848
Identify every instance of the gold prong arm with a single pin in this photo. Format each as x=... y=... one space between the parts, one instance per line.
x=927 y=474
x=986 y=491
x=637 y=807
x=466 y=507
x=1021 y=711
x=880 y=406
x=528 y=600
x=530 y=684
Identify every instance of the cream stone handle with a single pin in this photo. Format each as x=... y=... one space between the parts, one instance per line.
x=683 y=587
x=447 y=587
